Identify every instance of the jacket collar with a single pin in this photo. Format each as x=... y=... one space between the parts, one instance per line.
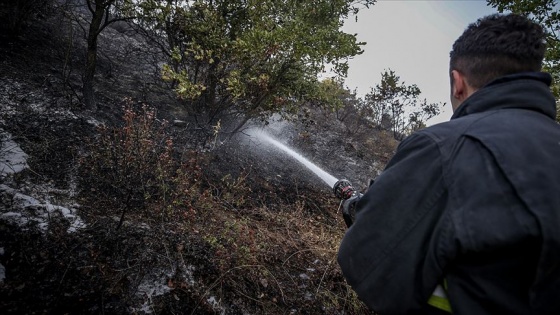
x=528 y=90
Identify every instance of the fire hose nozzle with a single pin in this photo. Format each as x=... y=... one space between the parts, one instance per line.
x=343 y=189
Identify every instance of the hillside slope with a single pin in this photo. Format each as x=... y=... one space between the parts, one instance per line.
x=246 y=230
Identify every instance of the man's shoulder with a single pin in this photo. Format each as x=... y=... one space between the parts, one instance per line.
x=446 y=135
x=445 y=130
x=455 y=128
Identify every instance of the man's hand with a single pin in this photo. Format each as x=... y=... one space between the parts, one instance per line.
x=349 y=209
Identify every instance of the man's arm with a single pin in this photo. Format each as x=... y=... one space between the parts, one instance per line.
x=388 y=255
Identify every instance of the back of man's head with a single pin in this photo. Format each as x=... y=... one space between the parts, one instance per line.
x=498 y=45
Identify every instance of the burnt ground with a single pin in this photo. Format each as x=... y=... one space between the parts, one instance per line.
x=257 y=235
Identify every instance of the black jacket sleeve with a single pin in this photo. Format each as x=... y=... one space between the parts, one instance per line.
x=389 y=255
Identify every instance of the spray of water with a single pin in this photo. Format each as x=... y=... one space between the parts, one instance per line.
x=326 y=177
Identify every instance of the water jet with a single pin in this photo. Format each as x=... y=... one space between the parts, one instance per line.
x=326 y=177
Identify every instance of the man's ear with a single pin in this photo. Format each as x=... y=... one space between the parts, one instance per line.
x=459 y=86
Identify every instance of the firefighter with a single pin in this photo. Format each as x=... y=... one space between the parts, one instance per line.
x=465 y=219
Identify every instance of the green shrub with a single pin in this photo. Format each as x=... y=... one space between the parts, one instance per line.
x=133 y=168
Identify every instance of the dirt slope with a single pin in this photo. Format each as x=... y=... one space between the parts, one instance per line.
x=258 y=234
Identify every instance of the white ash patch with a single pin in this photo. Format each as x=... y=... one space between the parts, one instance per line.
x=12 y=158
x=24 y=210
x=30 y=204
x=151 y=286
x=216 y=305
x=157 y=283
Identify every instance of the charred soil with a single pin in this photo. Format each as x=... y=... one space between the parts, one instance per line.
x=241 y=228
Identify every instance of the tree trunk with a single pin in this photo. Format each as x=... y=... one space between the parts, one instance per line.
x=91 y=59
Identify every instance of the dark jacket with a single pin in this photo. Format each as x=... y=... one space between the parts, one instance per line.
x=475 y=201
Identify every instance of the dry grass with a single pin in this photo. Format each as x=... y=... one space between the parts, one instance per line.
x=253 y=255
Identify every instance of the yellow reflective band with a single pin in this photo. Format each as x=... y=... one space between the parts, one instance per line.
x=440 y=302
x=439 y=298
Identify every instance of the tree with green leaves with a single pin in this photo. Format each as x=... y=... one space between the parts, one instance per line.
x=236 y=60
x=546 y=13
x=395 y=106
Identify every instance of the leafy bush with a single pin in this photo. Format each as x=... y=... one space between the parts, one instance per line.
x=133 y=167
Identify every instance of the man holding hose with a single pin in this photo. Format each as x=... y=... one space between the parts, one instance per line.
x=465 y=219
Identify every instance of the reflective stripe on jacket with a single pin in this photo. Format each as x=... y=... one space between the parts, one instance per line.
x=439 y=299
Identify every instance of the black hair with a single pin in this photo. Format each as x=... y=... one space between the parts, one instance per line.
x=498 y=45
